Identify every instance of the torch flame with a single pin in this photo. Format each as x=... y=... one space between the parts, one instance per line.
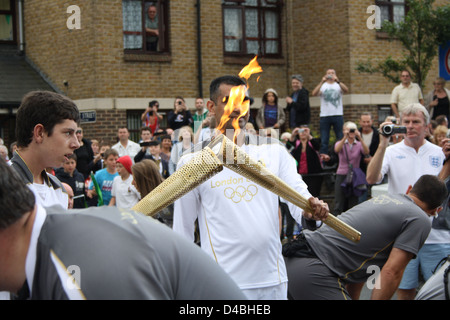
x=238 y=100
x=251 y=68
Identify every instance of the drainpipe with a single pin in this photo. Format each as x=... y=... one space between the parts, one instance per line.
x=21 y=37
x=199 y=51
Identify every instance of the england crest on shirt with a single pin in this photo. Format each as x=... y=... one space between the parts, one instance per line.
x=435 y=161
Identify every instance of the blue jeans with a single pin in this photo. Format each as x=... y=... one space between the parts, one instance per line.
x=325 y=126
x=426 y=261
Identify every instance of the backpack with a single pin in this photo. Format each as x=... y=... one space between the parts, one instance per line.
x=442 y=220
x=437 y=286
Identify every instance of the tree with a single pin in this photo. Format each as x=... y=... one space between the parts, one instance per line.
x=422 y=31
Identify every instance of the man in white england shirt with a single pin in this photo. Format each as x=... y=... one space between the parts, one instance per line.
x=238 y=219
x=404 y=163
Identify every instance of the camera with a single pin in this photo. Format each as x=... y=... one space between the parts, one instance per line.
x=352 y=130
x=179 y=103
x=301 y=130
x=448 y=134
x=391 y=129
x=329 y=77
x=145 y=144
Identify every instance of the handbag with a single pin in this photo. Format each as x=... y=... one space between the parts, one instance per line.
x=355 y=182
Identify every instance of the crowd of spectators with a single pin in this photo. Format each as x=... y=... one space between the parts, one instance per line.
x=121 y=173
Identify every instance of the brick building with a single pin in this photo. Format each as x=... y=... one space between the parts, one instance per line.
x=96 y=52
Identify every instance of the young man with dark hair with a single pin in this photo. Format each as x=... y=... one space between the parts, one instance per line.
x=45 y=130
x=46 y=123
x=98 y=254
x=146 y=134
x=238 y=220
x=324 y=265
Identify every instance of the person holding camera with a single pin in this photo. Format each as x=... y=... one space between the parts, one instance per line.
x=305 y=151
x=180 y=116
x=394 y=137
x=150 y=117
x=309 y=161
x=350 y=149
x=404 y=163
x=144 y=143
x=330 y=90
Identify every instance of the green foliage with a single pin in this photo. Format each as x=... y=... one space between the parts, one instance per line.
x=420 y=34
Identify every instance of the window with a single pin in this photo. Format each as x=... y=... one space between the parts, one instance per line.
x=145 y=27
x=7 y=24
x=134 y=123
x=392 y=10
x=383 y=113
x=252 y=27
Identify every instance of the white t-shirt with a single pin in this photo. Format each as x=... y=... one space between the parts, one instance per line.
x=126 y=194
x=367 y=137
x=331 y=100
x=48 y=196
x=238 y=219
x=131 y=150
x=404 y=166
